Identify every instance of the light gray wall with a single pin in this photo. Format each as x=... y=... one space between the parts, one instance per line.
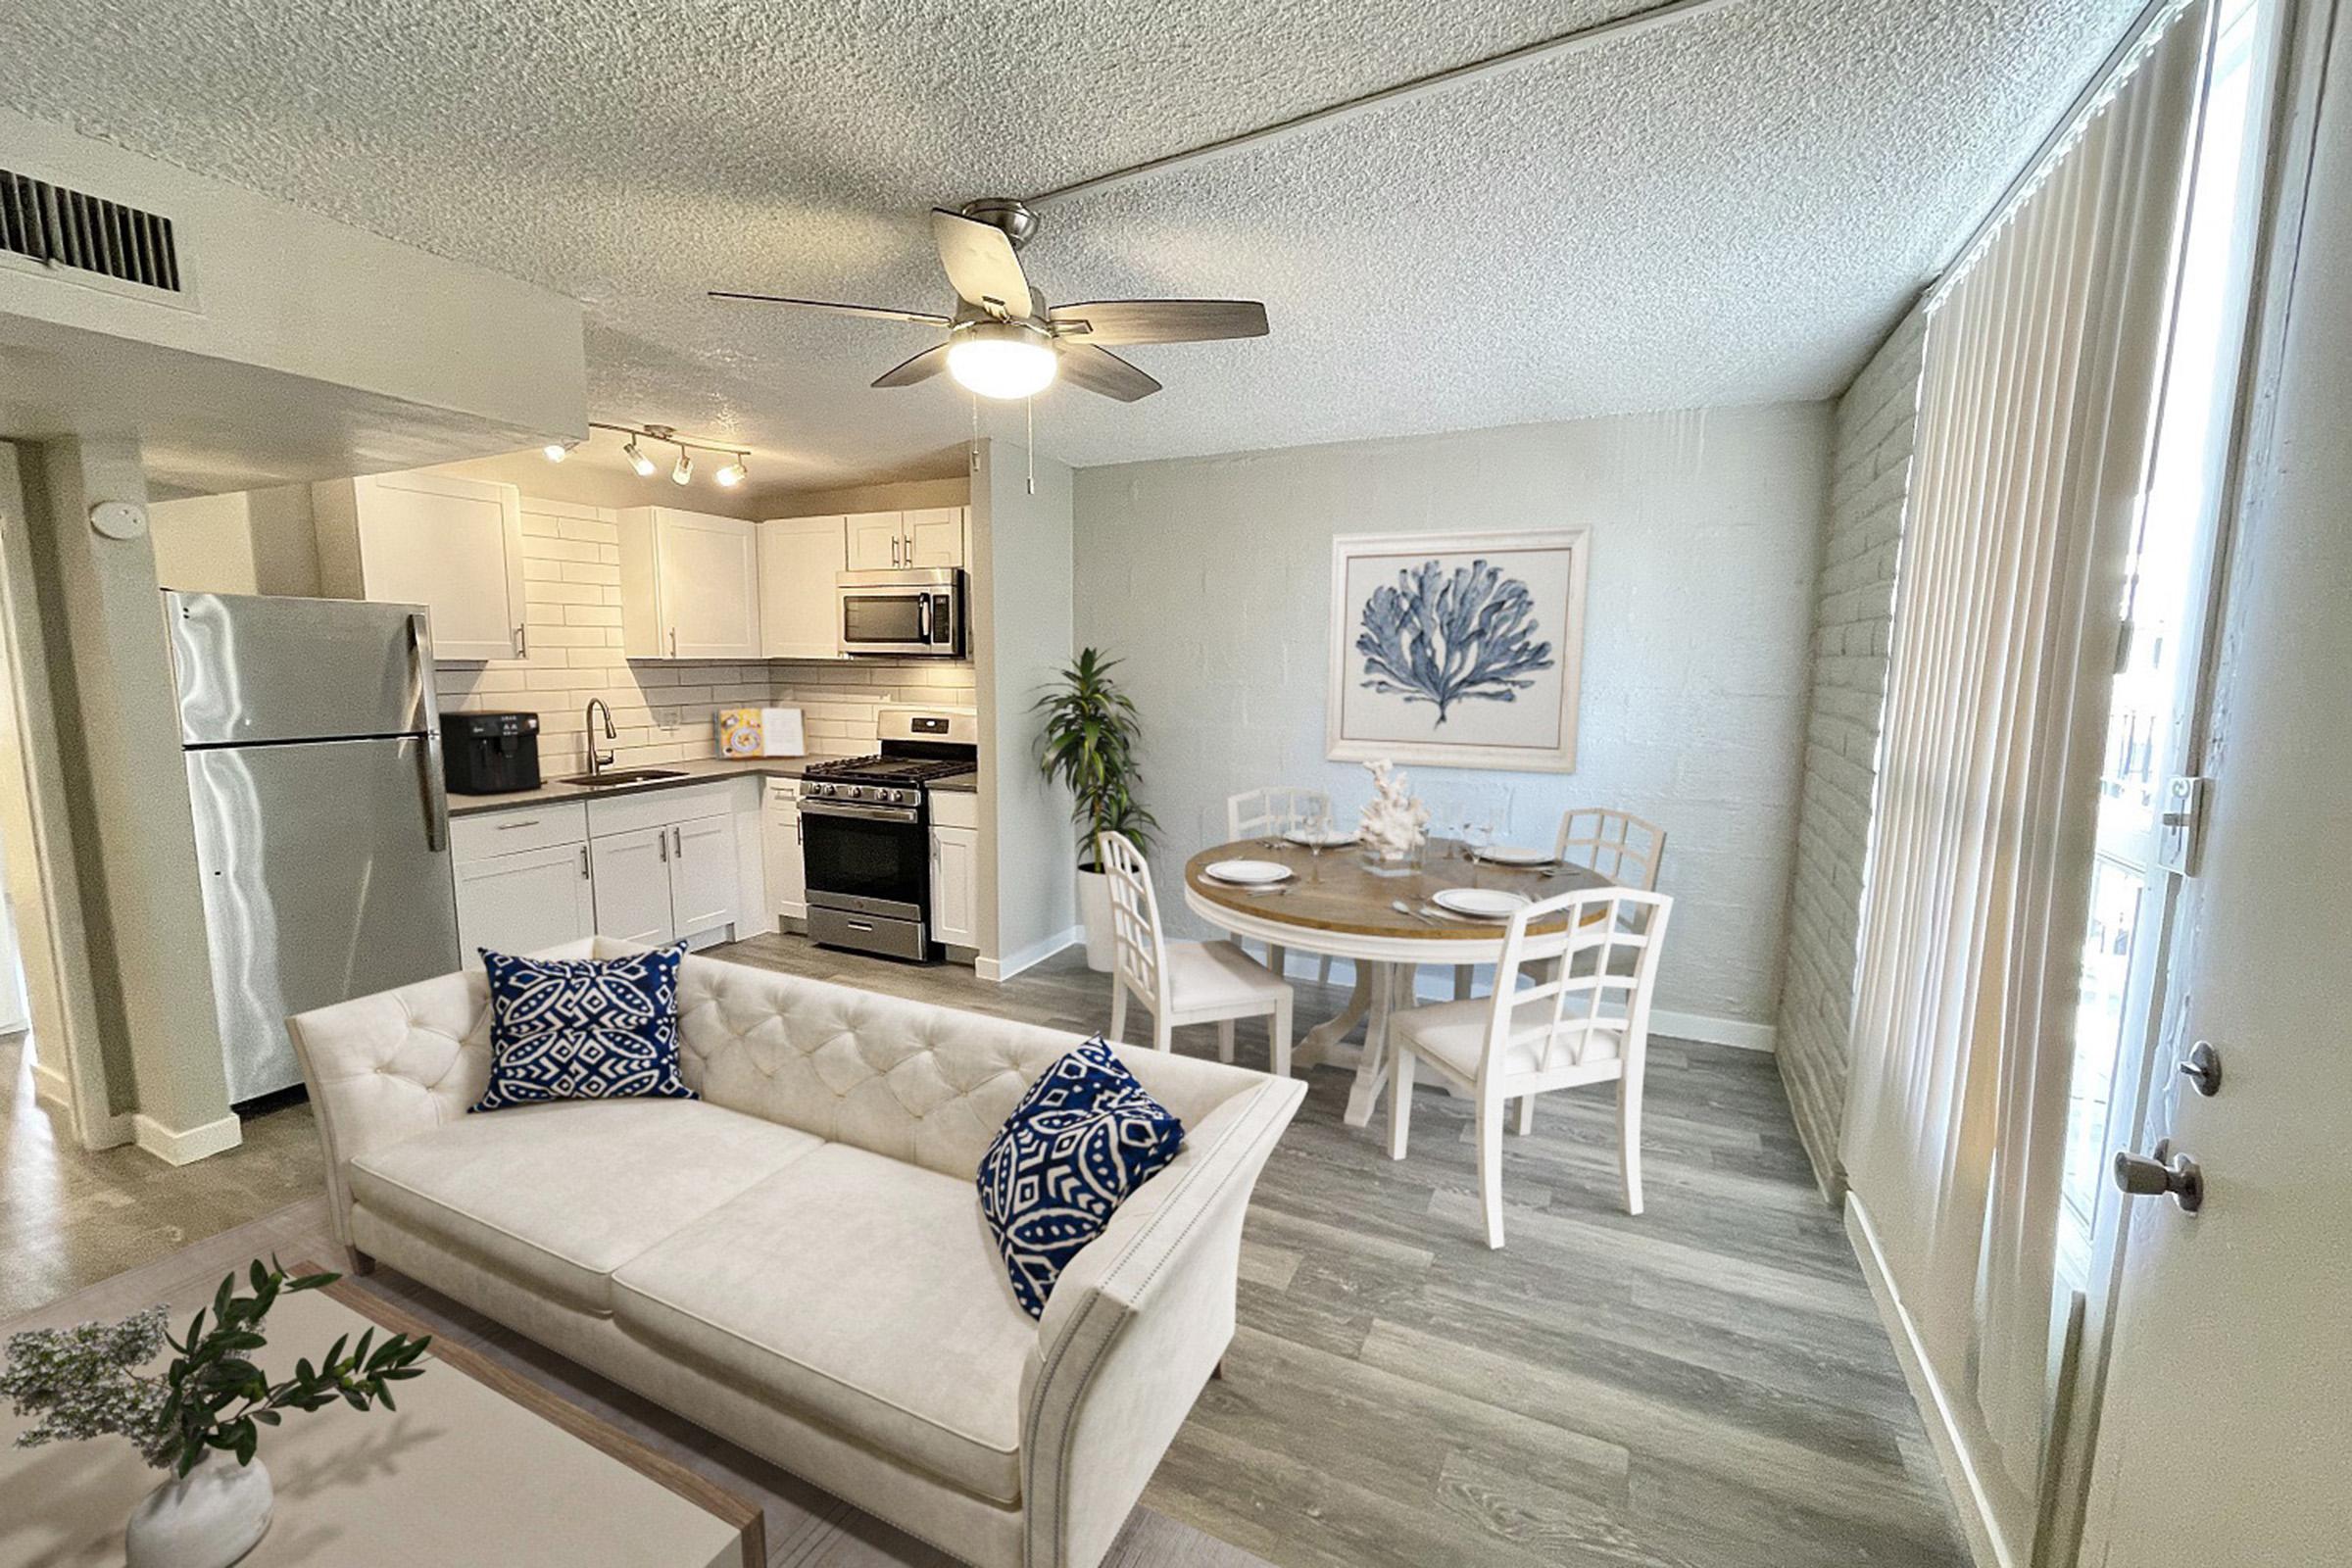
x=1021 y=588
x=1211 y=578
x=1852 y=621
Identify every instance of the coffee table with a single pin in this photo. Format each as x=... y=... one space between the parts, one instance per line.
x=477 y=1466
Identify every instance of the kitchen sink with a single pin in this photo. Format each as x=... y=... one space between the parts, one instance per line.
x=624 y=776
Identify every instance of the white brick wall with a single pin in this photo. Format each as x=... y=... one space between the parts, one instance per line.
x=666 y=712
x=1854 y=615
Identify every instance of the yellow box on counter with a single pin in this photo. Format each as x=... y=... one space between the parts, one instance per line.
x=760 y=732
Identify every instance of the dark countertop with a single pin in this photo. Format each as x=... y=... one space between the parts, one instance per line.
x=708 y=771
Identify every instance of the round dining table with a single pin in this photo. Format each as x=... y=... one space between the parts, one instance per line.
x=1383 y=925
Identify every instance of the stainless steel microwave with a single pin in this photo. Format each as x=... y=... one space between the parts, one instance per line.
x=915 y=612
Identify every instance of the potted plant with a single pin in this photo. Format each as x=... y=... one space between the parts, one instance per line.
x=1087 y=743
x=202 y=1419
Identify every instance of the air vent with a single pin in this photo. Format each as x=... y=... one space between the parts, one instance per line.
x=73 y=228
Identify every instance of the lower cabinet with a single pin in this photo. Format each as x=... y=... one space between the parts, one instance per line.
x=780 y=841
x=955 y=886
x=657 y=884
x=524 y=902
x=648 y=868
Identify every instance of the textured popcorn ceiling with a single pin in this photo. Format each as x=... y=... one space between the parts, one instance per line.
x=1732 y=208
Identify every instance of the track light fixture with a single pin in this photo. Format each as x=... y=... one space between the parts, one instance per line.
x=733 y=474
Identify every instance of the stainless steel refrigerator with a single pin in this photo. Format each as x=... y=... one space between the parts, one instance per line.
x=314 y=756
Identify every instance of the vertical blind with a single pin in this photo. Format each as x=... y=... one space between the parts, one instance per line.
x=2036 y=412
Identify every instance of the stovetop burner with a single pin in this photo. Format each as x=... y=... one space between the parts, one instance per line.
x=890 y=769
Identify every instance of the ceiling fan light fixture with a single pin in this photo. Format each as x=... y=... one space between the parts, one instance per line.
x=1003 y=360
x=638 y=460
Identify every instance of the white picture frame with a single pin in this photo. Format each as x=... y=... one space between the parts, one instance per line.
x=1514 y=708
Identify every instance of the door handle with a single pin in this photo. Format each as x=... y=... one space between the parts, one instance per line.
x=428 y=784
x=922 y=617
x=2161 y=1171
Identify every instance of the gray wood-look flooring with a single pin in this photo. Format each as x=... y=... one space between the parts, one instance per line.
x=1706 y=1385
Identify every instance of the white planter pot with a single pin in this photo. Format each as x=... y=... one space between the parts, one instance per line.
x=1094 y=908
x=208 y=1518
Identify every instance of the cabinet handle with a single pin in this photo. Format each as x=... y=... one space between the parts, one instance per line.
x=677 y=841
x=584 y=862
x=663 y=840
x=522 y=642
x=509 y=827
x=673 y=642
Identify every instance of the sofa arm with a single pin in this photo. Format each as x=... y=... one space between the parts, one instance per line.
x=1134 y=1328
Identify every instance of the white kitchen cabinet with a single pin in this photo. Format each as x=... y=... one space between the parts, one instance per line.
x=689 y=585
x=780 y=838
x=703 y=883
x=955 y=886
x=877 y=540
x=927 y=536
x=934 y=536
x=452 y=545
x=524 y=902
x=799 y=559
x=631 y=874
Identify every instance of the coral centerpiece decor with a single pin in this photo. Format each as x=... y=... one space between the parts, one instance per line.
x=1394 y=826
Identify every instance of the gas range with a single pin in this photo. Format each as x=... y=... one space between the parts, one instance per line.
x=866 y=834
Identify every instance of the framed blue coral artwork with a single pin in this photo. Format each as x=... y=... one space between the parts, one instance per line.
x=1458 y=649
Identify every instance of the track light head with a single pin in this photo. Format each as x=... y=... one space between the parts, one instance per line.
x=557 y=451
x=683 y=473
x=638 y=460
x=734 y=474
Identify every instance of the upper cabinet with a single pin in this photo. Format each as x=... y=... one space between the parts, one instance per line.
x=929 y=536
x=689 y=585
x=799 y=559
x=452 y=545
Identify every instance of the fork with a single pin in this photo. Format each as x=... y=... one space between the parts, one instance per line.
x=1402 y=908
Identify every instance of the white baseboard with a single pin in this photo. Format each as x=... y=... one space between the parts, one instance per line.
x=1435 y=984
x=49 y=1086
x=1961 y=1482
x=1028 y=957
x=187 y=1147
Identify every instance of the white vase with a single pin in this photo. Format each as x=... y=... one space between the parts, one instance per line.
x=208 y=1518
x=1094 y=908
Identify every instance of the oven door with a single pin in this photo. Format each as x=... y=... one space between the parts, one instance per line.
x=874 y=860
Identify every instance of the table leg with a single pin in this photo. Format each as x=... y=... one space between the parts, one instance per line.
x=1372 y=1071
x=1316 y=1047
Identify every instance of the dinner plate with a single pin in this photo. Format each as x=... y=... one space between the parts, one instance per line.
x=1480 y=903
x=1513 y=854
x=1247 y=874
x=1331 y=838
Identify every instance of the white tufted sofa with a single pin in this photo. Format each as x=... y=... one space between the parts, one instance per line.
x=796 y=1260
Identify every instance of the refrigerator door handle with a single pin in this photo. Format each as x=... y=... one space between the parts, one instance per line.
x=436 y=804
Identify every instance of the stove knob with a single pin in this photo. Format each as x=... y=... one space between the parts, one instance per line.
x=856 y=792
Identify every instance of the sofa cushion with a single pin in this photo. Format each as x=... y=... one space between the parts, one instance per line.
x=862 y=1291
x=583 y=1028
x=560 y=1196
x=1084 y=1136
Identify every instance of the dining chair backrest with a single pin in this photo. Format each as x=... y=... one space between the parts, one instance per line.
x=1140 y=954
x=1275 y=810
x=1618 y=845
x=1586 y=997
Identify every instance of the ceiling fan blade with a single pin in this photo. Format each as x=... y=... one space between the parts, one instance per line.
x=1160 y=321
x=881 y=313
x=1101 y=370
x=980 y=261
x=922 y=368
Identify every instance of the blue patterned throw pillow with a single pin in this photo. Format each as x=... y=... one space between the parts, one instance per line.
x=1084 y=1136
x=583 y=1028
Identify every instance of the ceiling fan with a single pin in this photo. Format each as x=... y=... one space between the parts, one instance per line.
x=1003 y=341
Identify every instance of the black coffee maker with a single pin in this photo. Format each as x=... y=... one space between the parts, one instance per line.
x=490 y=754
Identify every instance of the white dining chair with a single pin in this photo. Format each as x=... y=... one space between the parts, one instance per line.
x=1270 y=812
x=1183 y=982
x=1577 y=1023
x=1618 y=845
